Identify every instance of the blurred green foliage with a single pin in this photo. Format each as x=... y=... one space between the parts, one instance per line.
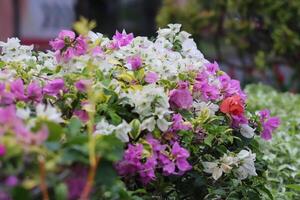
x=264 y=33
x=283 y=152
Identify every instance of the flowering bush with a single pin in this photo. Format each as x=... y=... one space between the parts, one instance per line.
x=66 y=116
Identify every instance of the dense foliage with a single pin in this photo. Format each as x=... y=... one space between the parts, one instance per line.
x=261 y=34
x=283 y=152
x=67 y=115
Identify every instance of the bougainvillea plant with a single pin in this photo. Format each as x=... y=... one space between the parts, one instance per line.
x=126 y=118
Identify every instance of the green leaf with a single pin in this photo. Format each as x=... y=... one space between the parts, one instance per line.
x=294 y=187
x=115 y=118
x=61 y=191
x=2 y=64
x=76 y=153
x=52 y=146
x=208 y=140
x=78 y=139
x=106 y=175
x=109 y=147
x=135 y=129
x=99 y=75
x=139 y=74
x=266 y=191
x=74 y=126
x=186 y=114
x=20 y=193
x=55 y=131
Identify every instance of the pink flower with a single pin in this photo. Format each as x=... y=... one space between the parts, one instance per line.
x=230 y=87
x=203 y=88
x=66 y=35
x=151 y=77
x=269 y=124
x=181 y=97
x=6 y=98
x=63 y=37
x=237 y=120
x=212 y=68
x=11 y=181
x=202 y=76
x=7 y=115
x=206 y=91
x=34 y=92
x=17 y=88
x=147 y=170
x=2 y=150
x=27 y=137
x=179 y=124
x=135 y=62
x=131 y=162
x=112 y=45
x=81 y=85
x=54 y=87
x=66 y=46
x=80 y=46
x=66 y=55
x=97 y=51
x=179 y=164
x=82 y=115
x=122 y=39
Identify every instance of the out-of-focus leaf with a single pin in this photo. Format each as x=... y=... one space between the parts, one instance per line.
x=20 y=193
x=74 y=126
x=61 y=192
x=109 y=147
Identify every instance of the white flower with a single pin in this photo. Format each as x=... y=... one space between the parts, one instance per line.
x=189 y=45
x=148 y=124
x=151 y=103
x=48 y=112
x=229 y=160
x=47 y=60
x=247 y=166
x=7 y=75
x=223 y=165
x=104 y=128
x=203 y=106
x=164 y=32
x=122 y=131
x=163 y=124
x=149 y=96
x=247 y=131
x=23 y=113
x=213 y=168
x=12 y=43
x=13 y=51
x=175 y=27
x=95 y=36
x=183 y=35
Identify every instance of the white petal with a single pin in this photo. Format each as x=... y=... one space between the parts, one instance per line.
x=163 y=124
x=148 y=124
x=217 y=173
x=209 y=166
x=247 y=131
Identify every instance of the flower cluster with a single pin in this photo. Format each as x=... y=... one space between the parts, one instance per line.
x=137 y=160
x=243 y=161
x=173 y=112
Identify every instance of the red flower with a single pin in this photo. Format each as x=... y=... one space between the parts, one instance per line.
x=232 y=105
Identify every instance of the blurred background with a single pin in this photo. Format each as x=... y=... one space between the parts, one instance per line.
x=254 y=41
